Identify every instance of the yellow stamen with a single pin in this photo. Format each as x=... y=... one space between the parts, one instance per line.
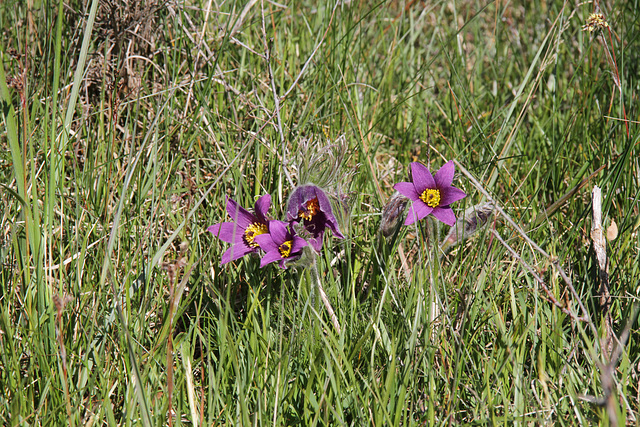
x=255 y=229
x=312 y=208
x=285 y=248
x=431 y=197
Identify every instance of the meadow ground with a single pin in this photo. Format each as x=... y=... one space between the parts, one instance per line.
x=126 y=125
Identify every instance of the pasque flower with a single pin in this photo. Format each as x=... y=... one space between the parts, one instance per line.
x=241 y=233
x=280 y=243
x=310 y=205
x=431 y=194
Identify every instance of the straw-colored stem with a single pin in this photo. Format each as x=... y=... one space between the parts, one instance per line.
x=323 y=295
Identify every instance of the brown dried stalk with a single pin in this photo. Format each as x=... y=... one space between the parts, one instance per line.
x=554 y=262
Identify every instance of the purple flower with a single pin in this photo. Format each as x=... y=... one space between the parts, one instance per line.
x=311 y=206
x=241 y=233
x=431 y=195
x=280 y=243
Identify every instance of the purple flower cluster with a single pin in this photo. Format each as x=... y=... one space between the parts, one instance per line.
x=309 y=210
x=251 y=232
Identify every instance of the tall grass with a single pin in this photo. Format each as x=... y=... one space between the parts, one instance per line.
x=126 y=125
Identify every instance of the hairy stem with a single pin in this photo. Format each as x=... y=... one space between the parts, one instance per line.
x=323 y=295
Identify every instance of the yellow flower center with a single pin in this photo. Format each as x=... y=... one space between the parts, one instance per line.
x=310 y=210
x=431 y=197
x=285 y=248
x=255 y=229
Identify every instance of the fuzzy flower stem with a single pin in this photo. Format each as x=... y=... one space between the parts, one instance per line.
x=323 y=295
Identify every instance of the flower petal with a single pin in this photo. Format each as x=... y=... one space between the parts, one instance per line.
x=316 y=241
x=239 y=214
x=444 y=177
x=226 y=257
x=298 y=198
x=216 y=230
x=298 y=244
x=323 y=200
x=336 y=230
x=421 y=209
x=270 y=257
x=421 y=177
x=278 y=231
x=445 y=214
x=411 y=216
x=234 y=252
x=450 y=195
x=327 y=209
x=407 y=189
x=417 y=211
x=229 y=232
x=262 y=206
x=266 y=243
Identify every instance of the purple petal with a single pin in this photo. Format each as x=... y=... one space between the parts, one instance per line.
x=333 y=225
x=316 y=241
x=407 y=189
x=270 y=257
x=421 y=209
x=239 y=214
x=278 y=231
x=226 y=257
x=411 y=216
x=262 y=206
x=444 y=177
x=298 y=244
x=325 y=207
x=235 y=252
x=229 y=232
x=323 y=201
x=445 y=215
x=450 y=195
x=417 y=211
x=215 y=230
x=421 y=177
x=298 y=198
x=266 y=243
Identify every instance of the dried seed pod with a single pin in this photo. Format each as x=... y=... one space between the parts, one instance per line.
x=612 y=231
x=473 y=219
x=393 y=213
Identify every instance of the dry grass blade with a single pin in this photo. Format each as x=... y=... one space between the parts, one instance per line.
x=600 y=248
x=540 y=281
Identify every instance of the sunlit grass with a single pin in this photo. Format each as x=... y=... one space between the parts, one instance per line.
x=124 y=129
